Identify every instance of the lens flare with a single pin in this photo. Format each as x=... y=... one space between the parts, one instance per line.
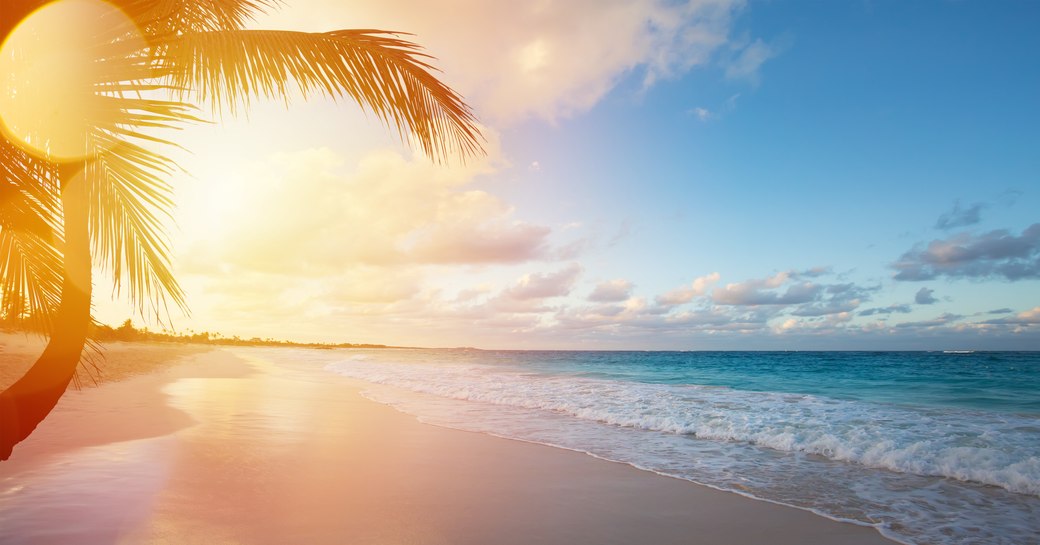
x=59 y=68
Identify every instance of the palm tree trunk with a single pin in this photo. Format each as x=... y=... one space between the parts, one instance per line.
x=27 y=402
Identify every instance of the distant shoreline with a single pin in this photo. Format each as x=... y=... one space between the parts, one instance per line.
x=106 y=334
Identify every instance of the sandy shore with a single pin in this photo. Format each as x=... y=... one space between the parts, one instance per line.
x=224 y=447
x=115 y=362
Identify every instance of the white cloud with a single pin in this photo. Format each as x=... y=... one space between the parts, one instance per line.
x=685 y=294
x=747 y=63
x=300 y=212
x=545 y=59
x=542 y=286
x=611 y=291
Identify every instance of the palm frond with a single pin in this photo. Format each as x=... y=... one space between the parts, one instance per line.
x=127 y=173
x=130 y=201
x=381 y=72
x=163 y=19
x=30 y=225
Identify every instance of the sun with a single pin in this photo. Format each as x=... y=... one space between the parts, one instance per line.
x=53 y=69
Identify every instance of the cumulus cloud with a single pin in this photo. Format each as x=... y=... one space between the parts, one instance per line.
x=996 y=254
x=636 y=316
x=545 y=59
x=542 y=286
x=611 y=291
x=924 y=296
x=685 y=294
x=1026 y=318
x=816 y=325
x=960 y=217
x=790 y=290
x=765 y=292
x=835 y=299
x=390 y=211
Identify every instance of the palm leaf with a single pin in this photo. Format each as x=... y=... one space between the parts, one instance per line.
x=130 y=200
x=127 y=173
x=385 y=74
x=30 y=223
x=163 y=19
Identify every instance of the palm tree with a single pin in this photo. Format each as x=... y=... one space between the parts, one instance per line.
x=92 y=190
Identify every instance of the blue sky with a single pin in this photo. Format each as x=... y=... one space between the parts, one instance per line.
x=798 y=150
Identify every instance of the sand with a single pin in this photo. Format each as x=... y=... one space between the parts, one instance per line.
x=221 y=446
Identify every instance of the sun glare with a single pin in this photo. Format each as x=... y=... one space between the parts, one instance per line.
x=54 y=66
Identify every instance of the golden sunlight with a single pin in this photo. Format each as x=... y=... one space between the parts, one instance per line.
x=52 y=68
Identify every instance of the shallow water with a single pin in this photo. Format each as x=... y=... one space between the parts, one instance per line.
x=62 y=502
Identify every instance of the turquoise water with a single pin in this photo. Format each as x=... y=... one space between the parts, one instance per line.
x=998 y=381
x=927 y=447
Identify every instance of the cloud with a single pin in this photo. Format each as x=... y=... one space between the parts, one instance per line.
x=890 y=309
x=550 y=60
x=705 y=114
x=1010 y=196
x=825 y=324
x=924 y=297
x=702 y=114
x=300 y=213
x=1000 y=311
x=835 y=299
x=996 y=254
x=471 y=293
x=464 y=242
x=1026 y=318
x=826 y=308
x=814 y=272
x=542 y=286
x=960 y=217
x=635 y=317
x=745 y=65
x=685 y=294
x=764 y=292
x=611 y=291
x=941 y=320
x=367 y=284
x=789 y=289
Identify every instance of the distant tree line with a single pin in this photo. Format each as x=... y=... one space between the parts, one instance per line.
x=126 y=332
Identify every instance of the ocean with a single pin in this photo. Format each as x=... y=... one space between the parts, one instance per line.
x=928 y=447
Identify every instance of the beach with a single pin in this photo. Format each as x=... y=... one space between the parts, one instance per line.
x=223 y=445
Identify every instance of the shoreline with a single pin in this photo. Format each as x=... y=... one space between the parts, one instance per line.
x=639 y=468
x=635 y=467
x=251 y=452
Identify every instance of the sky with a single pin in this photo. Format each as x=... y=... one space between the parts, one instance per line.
x=701 y=175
